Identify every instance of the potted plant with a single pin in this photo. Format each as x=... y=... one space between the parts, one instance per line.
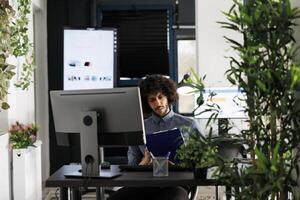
x=26 y=161
x=265 y=70
x=14 y=42
x=197 y=153
x=22 y=136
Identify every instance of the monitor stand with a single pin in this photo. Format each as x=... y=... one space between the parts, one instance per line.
x=90 y=156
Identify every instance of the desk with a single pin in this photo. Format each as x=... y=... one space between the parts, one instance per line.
x=128 y=179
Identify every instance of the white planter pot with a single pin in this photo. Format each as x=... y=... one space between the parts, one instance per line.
x=27 y=179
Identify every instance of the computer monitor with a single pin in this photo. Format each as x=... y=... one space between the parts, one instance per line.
x=90 y=58
x=103 y=117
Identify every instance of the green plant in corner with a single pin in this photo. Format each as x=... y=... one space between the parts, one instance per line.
x=266 y=73
x=197 y=152
x=14 y=41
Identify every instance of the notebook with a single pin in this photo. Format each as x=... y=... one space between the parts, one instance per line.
x=162 y=142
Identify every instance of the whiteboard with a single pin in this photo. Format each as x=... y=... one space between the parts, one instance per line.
x=231 y=102
x=89 y=58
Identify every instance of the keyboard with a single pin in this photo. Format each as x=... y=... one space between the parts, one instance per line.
x=148 y=168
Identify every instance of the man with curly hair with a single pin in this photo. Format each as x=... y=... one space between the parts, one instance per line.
x=158 y=93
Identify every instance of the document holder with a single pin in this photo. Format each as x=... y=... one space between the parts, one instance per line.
x=165 y=143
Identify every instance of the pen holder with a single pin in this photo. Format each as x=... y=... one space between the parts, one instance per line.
x=160 y=167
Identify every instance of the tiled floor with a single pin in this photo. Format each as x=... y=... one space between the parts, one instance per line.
x=209 y=193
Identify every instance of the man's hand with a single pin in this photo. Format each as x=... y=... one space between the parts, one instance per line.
x=147 y=159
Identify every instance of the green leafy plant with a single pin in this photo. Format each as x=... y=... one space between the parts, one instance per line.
x=197 y=151
x=195 y=82
x=22 y=136
x=14 y=41
x=266 y=73
x=6 y=74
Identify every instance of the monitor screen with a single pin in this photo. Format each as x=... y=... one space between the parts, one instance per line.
x=229 y=99
x=89 y=58
x=119 y=113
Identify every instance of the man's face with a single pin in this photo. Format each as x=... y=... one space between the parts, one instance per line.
x=158 y=102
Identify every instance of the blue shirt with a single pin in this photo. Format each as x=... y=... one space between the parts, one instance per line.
x=154 y=124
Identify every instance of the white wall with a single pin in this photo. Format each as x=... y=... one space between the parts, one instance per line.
x=21 y=105
x=212 y=50
x=296 y=3
x=3 y=122
x=211 y=46
x=41 y=79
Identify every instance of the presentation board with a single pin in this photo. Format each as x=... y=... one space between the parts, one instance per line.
x=89 y=58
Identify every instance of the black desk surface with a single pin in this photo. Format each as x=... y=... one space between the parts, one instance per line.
x=129 y=179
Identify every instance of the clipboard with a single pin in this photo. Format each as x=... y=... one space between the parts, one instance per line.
x=162 y=142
